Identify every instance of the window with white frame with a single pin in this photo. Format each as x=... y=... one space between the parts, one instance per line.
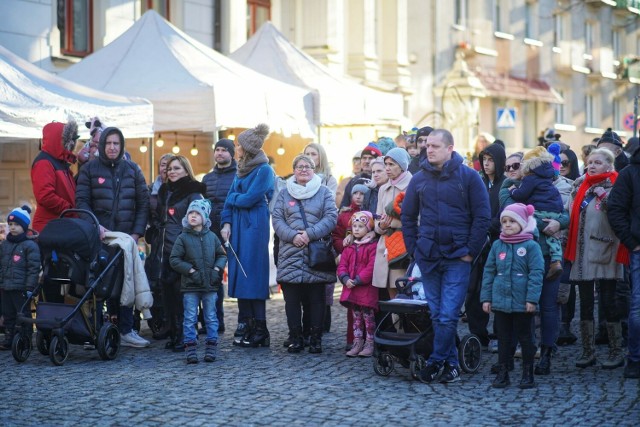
x=529 y=20
x=618 y=112
x=498 y=22
x=617 y=43
x=560 y=26
x=460 y=11
x=561 y=115
x=75 y=23
x=588 y=38
x=591 y=111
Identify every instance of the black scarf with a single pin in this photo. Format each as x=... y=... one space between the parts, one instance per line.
x=17 y=239
x=180 y=189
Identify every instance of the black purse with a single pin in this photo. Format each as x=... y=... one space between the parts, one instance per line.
x=321 y=254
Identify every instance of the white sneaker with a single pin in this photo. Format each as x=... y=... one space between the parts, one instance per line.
x=132 y=339
x=493 y=346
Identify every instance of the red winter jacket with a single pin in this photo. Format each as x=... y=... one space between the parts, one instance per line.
x=356 y=263
x=53 y=185
x=342 y=227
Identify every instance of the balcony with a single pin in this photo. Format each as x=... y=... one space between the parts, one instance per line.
x=630 y=68
x=629 y=5
x=570 y=56
x=601 y=2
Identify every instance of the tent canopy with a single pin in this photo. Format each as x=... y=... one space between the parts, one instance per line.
x=339 y=100
x=31 y=97
x=192 y=87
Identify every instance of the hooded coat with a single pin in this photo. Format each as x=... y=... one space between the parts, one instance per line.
x=19 y=264
x=53 y=185
x=496 y=151
x=114 y=190
x=624 y=204
x=537 y=188
x=445 y=213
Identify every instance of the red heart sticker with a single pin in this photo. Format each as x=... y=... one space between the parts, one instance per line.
x=101 y=180
x=172 y=211
x=16 y=258
x=292 y=203
x=502 y=256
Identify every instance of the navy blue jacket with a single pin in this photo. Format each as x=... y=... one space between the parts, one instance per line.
x=537 y=189
x=624 y=204
x=218 y=183
x=452 y=206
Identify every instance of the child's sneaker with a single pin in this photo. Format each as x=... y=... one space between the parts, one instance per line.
x=190 y=350
x=431 y=372
x=211 y=351
x=493 y=346
x=367 y=350
x=555 y=270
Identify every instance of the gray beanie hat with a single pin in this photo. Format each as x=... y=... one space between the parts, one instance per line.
x=361 y=188
x=252 y=140
x=400 y=156
x=203 y=207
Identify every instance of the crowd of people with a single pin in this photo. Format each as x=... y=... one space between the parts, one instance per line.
x=490 y=233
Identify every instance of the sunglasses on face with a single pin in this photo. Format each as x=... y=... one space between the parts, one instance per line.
x=513 y=166
x=565 y=163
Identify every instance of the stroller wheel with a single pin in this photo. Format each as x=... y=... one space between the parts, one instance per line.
x=469 y=353
x=383 y=364
x=417 y=365
x=58 y=350
x=42 y=343
x=21 y=347
x=108 y=342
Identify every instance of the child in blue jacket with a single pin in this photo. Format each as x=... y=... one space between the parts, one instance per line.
x=511 y=287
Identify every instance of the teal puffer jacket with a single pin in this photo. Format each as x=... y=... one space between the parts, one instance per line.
x=513 y=276
x=202 y=251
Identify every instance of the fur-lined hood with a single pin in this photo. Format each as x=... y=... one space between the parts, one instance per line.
x=59 y=140
x=532 y=165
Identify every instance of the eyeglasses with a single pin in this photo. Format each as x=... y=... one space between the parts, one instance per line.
x=303 y=168
x=565 y=163
x=513 y=166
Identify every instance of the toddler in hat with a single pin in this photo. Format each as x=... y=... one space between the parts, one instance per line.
x=355 y=272
x=359 y=193
x=511 y=287
x=200 y=258
x=19 y=269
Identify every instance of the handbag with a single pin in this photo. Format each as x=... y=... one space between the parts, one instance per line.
x=321 y=254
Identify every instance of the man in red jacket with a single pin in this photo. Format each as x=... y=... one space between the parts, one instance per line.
x=53 y=185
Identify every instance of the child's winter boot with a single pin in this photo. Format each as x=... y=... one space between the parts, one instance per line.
x=358 y=344
x=367 y=350
x=211 y=351
x=190 y=350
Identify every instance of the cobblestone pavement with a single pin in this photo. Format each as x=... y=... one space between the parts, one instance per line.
x=268 y=386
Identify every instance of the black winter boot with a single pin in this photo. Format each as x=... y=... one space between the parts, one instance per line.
x=297 y=344
x=544 y=364
x=315 y=341
x=179 y=347
x=241 y=330
x=495 y=368
x=527 y=376
x=259 y=337
x=502 y=378
x=327 y=319
x=566 y=337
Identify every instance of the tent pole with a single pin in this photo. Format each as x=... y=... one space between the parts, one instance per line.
x=152 y=146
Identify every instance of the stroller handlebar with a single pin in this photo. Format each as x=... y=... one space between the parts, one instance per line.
x=81 y=211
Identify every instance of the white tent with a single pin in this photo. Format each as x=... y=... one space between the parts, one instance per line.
x=31 y=97
x=339 y=100
x=191 y=86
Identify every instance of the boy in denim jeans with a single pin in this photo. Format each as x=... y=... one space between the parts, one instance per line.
x=199 y=257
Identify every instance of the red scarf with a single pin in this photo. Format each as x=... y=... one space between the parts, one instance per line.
x=622 y=256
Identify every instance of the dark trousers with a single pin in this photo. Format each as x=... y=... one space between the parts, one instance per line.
x=477 y=318
x=297 y=293
x=253 y=309
x=519 y=325
x=173 y=307
x=608 y=298
x=12 y=302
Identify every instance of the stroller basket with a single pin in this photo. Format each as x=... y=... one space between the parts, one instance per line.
x=50 y=315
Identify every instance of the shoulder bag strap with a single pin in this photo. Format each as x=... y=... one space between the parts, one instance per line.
x=302 y=214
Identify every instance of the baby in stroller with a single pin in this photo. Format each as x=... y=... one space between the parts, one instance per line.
x=405 y=333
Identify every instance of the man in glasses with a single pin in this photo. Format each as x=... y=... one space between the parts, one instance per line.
x=492 y=160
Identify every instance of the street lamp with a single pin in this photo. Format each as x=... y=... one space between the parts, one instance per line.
x=159 y=141
x=194 y=149
x=176 y=147
x=143 y=147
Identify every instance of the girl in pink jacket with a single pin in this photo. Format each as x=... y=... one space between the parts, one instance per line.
x=355 y=272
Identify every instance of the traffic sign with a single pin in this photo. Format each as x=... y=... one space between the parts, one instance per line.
x=506 y=118
x=627 y=122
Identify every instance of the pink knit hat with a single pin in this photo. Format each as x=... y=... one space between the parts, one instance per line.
x=363 y=217
x=522 y=214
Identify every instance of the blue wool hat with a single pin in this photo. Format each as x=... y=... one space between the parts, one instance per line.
x=385 y=144
x=21 y=216
x=203 y=207
x=554 y=150
x=400 y=156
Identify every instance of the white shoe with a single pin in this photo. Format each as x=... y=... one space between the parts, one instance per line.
x=518 y=353
x=132 y=339
x=493 y=346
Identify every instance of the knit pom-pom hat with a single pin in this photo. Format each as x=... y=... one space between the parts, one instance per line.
x=522 y=214
x=21 y=216
x=252 y=140
x=554 y=150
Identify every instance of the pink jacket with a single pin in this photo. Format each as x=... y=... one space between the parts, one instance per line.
x=356 y=263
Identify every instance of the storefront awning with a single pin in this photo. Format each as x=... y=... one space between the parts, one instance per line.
x=511 y=87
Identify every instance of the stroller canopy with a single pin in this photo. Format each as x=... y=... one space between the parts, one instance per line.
x=71 y=235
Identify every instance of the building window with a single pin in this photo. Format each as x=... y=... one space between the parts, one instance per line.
x=590 y=111
x=618 y=105
x=160 y=6
x=617 y=43
x=559 y=26
x=588 y=38
x=497 y=16
x=529 y=19
x=561 y=109
x=461 y=10
x=75 y=22
x=258 y=12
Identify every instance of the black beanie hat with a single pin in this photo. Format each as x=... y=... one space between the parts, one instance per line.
x=611 y=137
x=227 y=144
x=425 y=131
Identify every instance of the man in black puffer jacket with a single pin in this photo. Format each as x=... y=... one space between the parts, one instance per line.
x=218 y=183
x=114 y=189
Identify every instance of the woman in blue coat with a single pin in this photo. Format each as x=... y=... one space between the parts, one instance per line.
x=245 y=225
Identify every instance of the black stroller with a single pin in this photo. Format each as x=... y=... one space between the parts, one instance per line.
x=77 y=265
x=408 y=336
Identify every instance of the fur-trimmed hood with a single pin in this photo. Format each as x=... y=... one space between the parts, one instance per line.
x=59 y=140
x=534 y=164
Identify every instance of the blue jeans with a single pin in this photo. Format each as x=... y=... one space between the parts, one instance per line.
x=191 y=301
x=633 y=341
x=445 y=288
x=549 y=309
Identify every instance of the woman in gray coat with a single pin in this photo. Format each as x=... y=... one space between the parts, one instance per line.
x=300 y=282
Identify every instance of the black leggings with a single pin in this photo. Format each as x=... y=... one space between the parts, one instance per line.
x=608 y=298
x=312 y=294
x=520 y=325
x=253 y=309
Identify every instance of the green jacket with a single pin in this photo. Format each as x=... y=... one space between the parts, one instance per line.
x=203 y=252
x=513 y=276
